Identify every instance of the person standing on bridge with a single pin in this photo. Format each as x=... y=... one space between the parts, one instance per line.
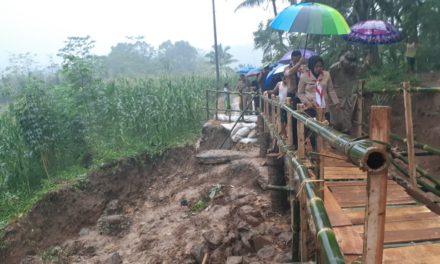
x=243 y=87
x=281 y=90
x=315 y=90
x=344 y=74
x=293 y=74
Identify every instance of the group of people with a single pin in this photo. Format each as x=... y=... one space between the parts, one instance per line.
x=309 y=84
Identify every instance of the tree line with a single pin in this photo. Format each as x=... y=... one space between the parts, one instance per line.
x=416 y=19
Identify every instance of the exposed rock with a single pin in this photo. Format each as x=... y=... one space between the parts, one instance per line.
x=84 y=232
x=113 y=207
x=234 y=260
x=219 y=156
x=213 y=135
x=114 y=259
x=213 y=237
x=112 y=224
x=198 y=251
x=266 y=252
x=285 y=237
x=260 y=242
x=249 y=210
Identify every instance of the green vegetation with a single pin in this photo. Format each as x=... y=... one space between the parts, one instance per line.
x=57 y=126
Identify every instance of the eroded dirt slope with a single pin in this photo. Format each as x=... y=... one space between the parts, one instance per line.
x=157 y=212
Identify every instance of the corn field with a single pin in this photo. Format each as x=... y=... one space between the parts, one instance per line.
x=50 y=131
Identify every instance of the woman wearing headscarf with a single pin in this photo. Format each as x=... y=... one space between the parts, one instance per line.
x=315 y=88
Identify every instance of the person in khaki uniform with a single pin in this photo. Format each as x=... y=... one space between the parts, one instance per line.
x=244 y=86
x=344 y=74
x=315 y=89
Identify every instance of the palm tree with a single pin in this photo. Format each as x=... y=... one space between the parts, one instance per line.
x=253 y=3
x=224 y=57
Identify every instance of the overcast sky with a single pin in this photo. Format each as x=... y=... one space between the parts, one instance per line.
x=42 y=26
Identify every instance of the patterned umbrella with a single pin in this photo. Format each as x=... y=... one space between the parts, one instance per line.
x=373 y=32
x=311 y=18
x=306 y=53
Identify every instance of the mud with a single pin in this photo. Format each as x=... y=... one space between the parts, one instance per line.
x=168 y=210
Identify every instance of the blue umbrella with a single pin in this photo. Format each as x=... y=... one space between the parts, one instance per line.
x=244 y=70
x=273 y=77
x=253 y=72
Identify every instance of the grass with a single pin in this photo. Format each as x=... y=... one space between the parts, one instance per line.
x=51 y=136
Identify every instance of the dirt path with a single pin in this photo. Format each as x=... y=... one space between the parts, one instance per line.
x=159 y=213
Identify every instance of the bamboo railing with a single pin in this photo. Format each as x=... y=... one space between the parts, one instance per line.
x=361 y=152
x=400 y=90
x=330 y=250
x=364 y=153
x=413 y=172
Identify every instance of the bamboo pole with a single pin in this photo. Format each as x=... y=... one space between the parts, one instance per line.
x=304 y=228
x=361 y=153
x=418 y=145
x=300 y=130
x=289 y=130
x=207 y=105
x=330 y=251
x=409 y=133
x=320 y=116
x=359 y=108
x=376 y=190
x=422 y=172
x=425 y=185
x=411 y=90
x=221 y=92
x=275 y=170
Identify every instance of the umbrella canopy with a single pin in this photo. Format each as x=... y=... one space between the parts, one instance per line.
x=244 y=70
x=373 y=32
x=311 y=18
x=274 y=76
x=306 y=54
x=253 y=72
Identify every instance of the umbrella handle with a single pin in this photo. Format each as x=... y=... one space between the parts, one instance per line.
x=305 y=47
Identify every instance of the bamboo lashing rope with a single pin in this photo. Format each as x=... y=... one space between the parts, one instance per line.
x=301 y=187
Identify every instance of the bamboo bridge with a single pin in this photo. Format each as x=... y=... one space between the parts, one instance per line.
x=346 y=205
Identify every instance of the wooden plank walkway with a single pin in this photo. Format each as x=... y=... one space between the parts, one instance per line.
x=412 y=231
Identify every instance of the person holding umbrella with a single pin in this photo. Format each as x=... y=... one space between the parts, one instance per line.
x=292 y=74
x=343 y=74
x=315 y=89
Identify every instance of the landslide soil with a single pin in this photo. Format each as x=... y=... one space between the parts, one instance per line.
x=426 y=119
x=155 y=211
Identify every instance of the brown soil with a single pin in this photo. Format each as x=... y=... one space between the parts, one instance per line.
x=426 y=120
x=151 y=211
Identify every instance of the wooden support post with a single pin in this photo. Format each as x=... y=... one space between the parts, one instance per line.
x=289 y=131
x=207 y=105
x=359 y=107
x=376 y=190
x=301 y=141
x=304 y=228
x=280 y=125
x=216 y=104
x=275 y=169
x=275 y=115
x=320 y=116
x=409 y=133
x=263 y=137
